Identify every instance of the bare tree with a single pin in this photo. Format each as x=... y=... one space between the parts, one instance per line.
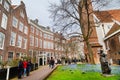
x=72 y=15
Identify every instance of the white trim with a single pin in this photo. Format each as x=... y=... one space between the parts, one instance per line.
x=112 y=34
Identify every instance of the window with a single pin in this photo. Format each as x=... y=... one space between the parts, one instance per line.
x=15 y=22
x=45 y=35
x=26 y=30
x=17 y=55
x=21 y=26
x=0 y=1
x=6 y=6
x=10 y=56
x=19 y=42
x=31 y=40
x=45 y=44
x=36 y=42
x=4 y=21
x=40 y=34
x=32 y=29
x=37 y=32
x=22 y=13
x=107 y=45
x=2 y=39
x=12 y=39
x=40 y=43
x=24 y=43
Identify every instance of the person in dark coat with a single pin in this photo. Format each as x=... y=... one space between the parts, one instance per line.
x=52 y=62
x=29 y=64
x=20 y=69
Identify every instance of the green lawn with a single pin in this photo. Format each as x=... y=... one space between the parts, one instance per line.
x=74 y=73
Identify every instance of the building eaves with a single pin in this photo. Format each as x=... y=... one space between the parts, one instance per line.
x=114 y=30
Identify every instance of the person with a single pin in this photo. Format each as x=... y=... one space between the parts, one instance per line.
x=52 y=62
x=24 y=67
x=20 y=69
x=29 y=64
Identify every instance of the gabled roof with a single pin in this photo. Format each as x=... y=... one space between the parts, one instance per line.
x=103 y=16
x=108 y=15
x=115 y=28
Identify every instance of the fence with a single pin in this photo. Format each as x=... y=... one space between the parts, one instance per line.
x=14 y=72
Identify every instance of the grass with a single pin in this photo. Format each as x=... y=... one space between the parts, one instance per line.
x=75 y=73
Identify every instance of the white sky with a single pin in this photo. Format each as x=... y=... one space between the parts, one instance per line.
x=39 y=9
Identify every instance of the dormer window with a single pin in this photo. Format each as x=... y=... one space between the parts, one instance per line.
x=22 y=13
x=6 y=6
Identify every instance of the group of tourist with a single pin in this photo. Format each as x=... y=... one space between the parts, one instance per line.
x=24 y=68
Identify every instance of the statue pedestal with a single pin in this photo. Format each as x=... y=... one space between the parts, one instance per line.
x=107 y=75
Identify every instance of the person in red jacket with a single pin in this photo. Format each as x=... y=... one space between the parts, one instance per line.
x=24 y=67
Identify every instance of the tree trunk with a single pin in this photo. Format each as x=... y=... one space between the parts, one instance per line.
x=90 y=54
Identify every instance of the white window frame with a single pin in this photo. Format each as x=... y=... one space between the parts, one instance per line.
x=6 y=6
x=21 y=26
x=4 y=21
x=24 y=43
x=26 y=30
x=32 y=29
x=40 y=43
x=31 y=40
x=19 y=41
x=22 y=14
x=2 y=40
x=37 y=31
x=36 y=42
x=13 y=39
x=14 y=22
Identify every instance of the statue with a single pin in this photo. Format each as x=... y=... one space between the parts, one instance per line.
x=104 y=63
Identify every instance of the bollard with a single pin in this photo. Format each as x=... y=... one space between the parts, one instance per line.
x=8 y=70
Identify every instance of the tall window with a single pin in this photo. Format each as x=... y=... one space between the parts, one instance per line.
x=32 y=29
x=40 y=43
x=45 y=44
x=19 y=42
x=12 y=39
x=40 y=34
x=4 y=21
x=6 y=6
x=36 y=42
x=10 y=56
x=31 y=40
x=26 y=30
x=2 y=39
x=14 y=22
x=22 y=13
x=0 y=1
x=37 y=31
x=24 y=43
x=21 y=26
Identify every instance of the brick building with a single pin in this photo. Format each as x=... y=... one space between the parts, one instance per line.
x=20 y=37
x=5 y=9
x=112 y=41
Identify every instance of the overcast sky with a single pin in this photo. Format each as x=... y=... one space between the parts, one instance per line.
x=39 y=9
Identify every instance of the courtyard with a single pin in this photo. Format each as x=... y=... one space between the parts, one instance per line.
x=83 y=72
